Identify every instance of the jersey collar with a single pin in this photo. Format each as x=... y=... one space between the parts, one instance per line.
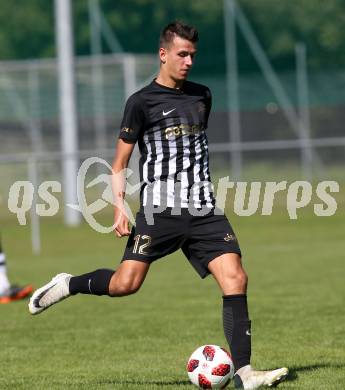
x=175 y=90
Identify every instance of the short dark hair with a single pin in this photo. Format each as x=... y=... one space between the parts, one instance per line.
x=179 y=29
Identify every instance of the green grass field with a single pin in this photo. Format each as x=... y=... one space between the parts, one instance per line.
x=296 y=300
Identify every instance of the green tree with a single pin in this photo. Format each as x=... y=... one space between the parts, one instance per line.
x=27 y=29
x=280 y=24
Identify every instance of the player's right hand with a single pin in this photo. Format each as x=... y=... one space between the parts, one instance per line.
x=121 y=222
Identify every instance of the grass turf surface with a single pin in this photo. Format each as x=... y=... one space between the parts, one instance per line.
x=296 y=292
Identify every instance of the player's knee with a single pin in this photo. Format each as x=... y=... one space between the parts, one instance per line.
x=237 y=278
x=123 y=288
x=242 y=279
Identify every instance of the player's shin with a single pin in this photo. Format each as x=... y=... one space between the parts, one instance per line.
x=237 y=328
x=95 y=283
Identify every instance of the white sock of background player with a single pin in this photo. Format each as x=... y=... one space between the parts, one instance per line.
x=4 y=282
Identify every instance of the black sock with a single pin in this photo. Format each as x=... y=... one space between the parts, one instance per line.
x=237 y=328
x=95 y=283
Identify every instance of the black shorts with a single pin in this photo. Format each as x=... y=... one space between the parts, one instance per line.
x=201 y=238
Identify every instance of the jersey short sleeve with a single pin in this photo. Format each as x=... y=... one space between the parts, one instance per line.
x=208 y=101
x=133 y=120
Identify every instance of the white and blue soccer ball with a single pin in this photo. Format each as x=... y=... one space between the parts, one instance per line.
x=210 y=367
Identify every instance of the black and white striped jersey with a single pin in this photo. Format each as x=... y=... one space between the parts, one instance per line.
x=169 y=125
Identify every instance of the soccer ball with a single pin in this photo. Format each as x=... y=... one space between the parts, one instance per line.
x=210 y=367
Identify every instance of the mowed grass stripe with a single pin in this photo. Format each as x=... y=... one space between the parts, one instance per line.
x=296 y=292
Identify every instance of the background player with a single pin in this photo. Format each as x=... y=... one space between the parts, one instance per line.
x=168 y=118
x=8 y=292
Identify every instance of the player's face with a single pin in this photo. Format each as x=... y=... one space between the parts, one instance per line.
x=178 y=58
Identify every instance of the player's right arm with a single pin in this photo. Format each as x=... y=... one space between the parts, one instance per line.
x=122 y=155
x=132 y=126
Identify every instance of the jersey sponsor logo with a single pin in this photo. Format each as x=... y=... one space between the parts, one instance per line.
x=168 y=112
x=175 y=131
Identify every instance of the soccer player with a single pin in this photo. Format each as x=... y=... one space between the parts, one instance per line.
x=168 y=118
x=8 y=292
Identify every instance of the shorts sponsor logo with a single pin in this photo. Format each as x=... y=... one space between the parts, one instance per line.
x=229 y=237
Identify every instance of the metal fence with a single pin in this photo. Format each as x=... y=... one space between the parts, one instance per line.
x=290 y=123
x=29 y=120
x=29 y=107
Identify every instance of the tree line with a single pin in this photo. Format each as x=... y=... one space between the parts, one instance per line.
x=27 y=29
